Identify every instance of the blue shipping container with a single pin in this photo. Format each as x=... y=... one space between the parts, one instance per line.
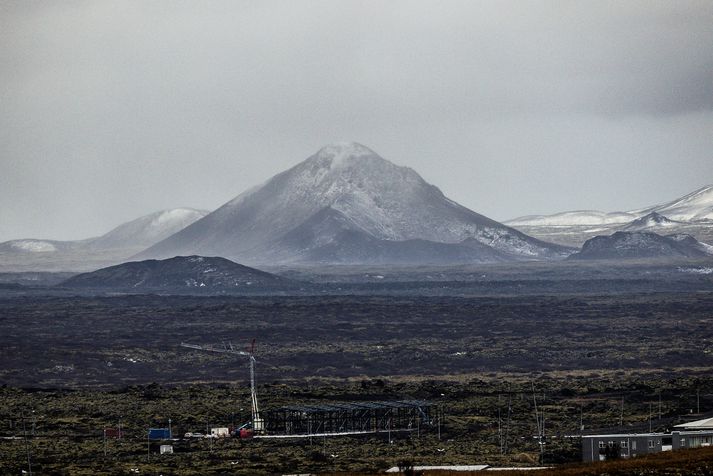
x=159 y=434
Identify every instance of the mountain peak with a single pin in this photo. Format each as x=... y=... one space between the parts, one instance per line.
x=341 y=151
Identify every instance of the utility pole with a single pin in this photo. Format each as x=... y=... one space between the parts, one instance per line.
x=440 y=412
x=507 y=424
x=621 y=414
x=27 y=446
x=500 y=428
x=649 y=417
x=540 y=424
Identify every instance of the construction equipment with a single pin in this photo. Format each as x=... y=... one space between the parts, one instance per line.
x=258 y=424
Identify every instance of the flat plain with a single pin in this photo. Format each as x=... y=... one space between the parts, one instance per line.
x=476 y=341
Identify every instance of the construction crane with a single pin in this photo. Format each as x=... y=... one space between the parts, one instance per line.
x=228 y=348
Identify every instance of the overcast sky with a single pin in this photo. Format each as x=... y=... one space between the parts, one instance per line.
x=111 y=110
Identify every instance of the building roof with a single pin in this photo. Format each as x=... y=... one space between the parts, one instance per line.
x=705 y=424
x=465 y=467
x=626 y=435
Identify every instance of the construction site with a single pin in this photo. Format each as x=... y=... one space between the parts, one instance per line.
x=333 y=419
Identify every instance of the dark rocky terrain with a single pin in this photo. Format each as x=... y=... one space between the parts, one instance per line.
x=180 y=274
x=479 y=340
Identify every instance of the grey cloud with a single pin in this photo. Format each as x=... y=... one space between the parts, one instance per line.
x=112 y=110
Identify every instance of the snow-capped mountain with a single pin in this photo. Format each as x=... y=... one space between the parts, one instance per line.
x=347 y=204
x=31 y=245
x=695 y=206
x=148 y=229
x=691 y=214
x=642 y=245
x=118 y=244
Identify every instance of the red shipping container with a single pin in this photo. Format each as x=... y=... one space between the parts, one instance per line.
x=112 y=433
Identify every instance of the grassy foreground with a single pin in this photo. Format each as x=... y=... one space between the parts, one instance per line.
x=64 y=427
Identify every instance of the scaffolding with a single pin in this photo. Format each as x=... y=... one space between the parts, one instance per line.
x=350 y=418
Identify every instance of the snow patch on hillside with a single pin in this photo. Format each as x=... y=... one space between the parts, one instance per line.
x=33 y=246
x=574 y=218
x=694 y=207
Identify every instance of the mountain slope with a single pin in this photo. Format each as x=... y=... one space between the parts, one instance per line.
x=178 y=273
x=651 y=221
x=148 y=229
x=695 y=206
x=343 y=188
x=573 y=218
x=641 y=245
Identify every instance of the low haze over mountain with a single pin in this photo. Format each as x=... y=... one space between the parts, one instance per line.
x=346 y=204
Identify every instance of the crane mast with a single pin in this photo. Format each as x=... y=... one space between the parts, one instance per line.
x=228 y=348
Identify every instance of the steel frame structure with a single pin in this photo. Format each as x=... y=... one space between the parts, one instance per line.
x=350 y=417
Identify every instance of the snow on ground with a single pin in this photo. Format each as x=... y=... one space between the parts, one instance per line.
x=34 y=246
x=695 y=206
x=696 y=270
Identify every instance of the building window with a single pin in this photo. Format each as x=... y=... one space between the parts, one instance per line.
x=624 y=445
x=633 y=445
x=651 y=443
x=602 y=445
x=683 y=442
x=611 y=444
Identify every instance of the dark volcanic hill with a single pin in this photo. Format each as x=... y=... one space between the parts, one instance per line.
x=346 y=204
x=188 y=273
x=642 y=245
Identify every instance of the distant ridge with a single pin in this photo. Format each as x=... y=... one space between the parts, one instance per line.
x=693 y=207
x=691 y=214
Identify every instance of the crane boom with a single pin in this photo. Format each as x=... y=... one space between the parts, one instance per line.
x=228 y=348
